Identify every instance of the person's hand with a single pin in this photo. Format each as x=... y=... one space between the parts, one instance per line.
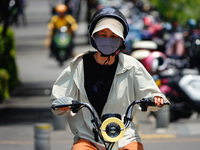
x=62 y=101
x=158 y=101
x=64 y=108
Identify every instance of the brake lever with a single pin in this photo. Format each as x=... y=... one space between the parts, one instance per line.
x=76 y=106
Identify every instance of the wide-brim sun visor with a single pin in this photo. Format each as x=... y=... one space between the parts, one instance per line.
x=114 y=25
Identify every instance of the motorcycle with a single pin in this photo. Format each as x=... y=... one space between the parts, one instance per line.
x=155 y=62
x=192 y=44
x=181 y=86
x=112 y=128
x=61 y=46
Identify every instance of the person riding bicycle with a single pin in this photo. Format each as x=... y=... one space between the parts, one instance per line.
x=106 y=79
x=59 y=20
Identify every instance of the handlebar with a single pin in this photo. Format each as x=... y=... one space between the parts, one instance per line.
x=76 y=106
x=145 y=102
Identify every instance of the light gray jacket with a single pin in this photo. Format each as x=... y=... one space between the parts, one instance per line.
x=131 y=82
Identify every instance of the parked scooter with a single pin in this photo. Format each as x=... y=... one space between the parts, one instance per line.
x=155 y=62
x=112 y=128
x=192 y=44
x=181 y=86
x=61 y=46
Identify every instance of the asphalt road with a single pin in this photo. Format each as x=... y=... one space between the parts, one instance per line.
x=29 y=103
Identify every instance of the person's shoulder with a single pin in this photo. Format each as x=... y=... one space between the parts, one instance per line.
x=54 y=18
x=127 y=57
x=128 y=61
x=69 y=16
x=80 y=56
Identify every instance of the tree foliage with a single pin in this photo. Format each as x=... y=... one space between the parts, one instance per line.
x=178 y=10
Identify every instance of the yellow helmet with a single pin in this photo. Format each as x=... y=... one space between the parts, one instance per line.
x=61 y=8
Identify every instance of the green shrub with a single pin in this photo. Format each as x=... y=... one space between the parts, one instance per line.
x=7 y=58
x=4 y=89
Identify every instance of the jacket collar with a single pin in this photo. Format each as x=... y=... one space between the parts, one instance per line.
x=125 y=63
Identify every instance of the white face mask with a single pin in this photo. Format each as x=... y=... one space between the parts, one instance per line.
x=107 y=46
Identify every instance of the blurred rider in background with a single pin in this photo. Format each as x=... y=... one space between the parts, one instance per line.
x=175 y=47
x=59 y=20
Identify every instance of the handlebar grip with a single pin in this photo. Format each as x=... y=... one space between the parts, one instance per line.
x=145 y=102
x=75 y=106
x=60 y=106
x=153 y=104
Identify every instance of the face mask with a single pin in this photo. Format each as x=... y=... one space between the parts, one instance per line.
x=107 y=46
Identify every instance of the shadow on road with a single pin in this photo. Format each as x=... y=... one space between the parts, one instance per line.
x=10 y=116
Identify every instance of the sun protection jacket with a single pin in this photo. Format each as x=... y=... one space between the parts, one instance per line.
x=131 y=82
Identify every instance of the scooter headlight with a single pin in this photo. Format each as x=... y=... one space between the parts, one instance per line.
x=112 y=129
x=63 y=29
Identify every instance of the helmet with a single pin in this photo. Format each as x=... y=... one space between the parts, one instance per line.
x=148 y=20
x=107 y=12
x=61 y=8
x=168 y=26
x=191 y=22
x=155 y=62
